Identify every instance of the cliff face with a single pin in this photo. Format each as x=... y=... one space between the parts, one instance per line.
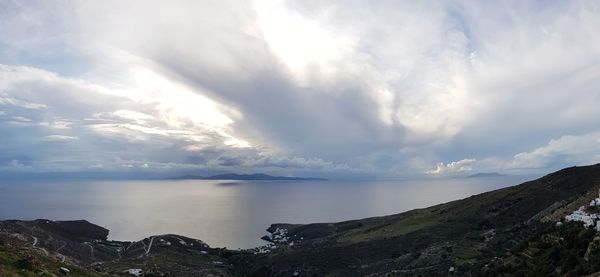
x=509 y=231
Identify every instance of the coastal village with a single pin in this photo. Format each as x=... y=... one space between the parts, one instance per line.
x=588 y=219
x=276 y=238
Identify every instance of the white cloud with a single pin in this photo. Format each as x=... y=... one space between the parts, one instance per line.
x=4 y=100
x=122 y=135
x=59 y=138
x=21 y=119
x=465 y=165
x=137 y=117
x=566 y=150
x=270 y=83
x=15 y=165
x=298 y=41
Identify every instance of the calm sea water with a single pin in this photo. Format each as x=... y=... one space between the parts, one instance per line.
x=232 y=214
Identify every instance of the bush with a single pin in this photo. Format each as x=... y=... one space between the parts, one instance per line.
x=25 y=263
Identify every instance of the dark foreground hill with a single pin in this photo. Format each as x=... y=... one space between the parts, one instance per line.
x=506 y=232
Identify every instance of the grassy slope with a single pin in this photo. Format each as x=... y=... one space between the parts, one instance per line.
x=16 y=261
x=399 y=242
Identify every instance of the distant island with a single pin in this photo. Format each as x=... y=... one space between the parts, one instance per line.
x=249 y=177
x=485 y=175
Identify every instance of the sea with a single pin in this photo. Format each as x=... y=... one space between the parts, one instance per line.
x=227 y=213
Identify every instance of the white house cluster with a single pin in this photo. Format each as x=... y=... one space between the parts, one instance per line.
x=588 y=219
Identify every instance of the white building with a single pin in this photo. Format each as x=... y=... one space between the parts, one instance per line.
x=134 y=271
x=587 y=219
x=576 y=215
x=580 y=215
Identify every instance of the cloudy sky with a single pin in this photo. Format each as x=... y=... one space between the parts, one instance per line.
x=325 y=88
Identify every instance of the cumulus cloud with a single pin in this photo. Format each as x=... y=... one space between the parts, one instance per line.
x=465 y=165
x=566 y=150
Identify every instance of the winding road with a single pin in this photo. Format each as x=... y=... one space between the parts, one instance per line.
x=34 y=245
x=149 y=245
x=91 y=250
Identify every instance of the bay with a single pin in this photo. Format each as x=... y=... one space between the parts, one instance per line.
x=232 y=214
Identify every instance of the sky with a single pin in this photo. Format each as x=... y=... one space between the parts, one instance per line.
x=345 y=89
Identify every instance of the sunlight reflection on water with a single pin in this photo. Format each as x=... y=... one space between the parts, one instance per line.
x=231 y=214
